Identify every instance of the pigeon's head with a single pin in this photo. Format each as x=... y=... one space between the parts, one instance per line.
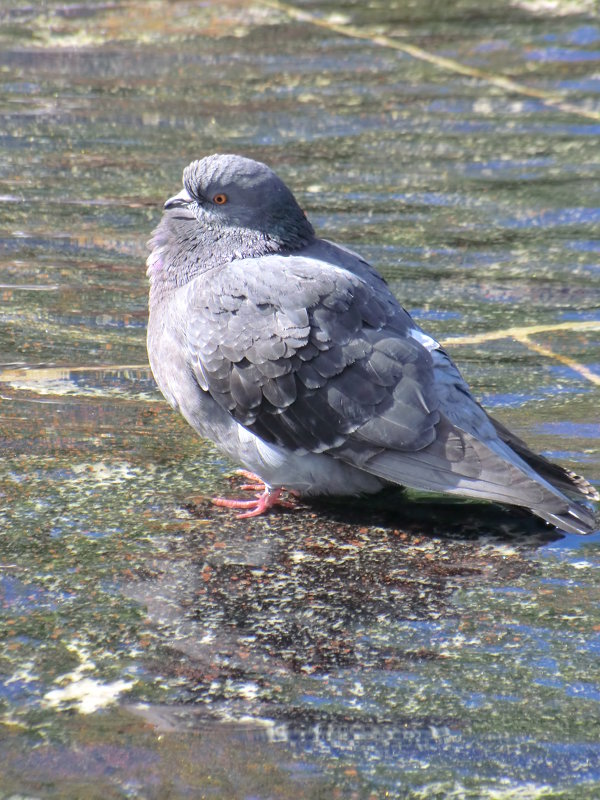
x=237 y=197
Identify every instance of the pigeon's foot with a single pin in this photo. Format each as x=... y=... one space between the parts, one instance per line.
x=258 y=485
x=255 y=485
x=265 y=498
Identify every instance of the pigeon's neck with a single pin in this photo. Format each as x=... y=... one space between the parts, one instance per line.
x=180 y=253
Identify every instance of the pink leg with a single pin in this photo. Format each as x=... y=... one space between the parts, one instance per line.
x=262 y=502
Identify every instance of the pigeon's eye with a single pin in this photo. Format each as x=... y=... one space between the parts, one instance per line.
x=220 y=199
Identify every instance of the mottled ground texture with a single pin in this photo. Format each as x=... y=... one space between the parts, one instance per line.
x=153 y=646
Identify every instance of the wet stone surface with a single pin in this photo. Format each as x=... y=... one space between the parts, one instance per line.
x=153 y=645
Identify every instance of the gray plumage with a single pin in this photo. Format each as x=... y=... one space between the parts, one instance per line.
x=293 y=356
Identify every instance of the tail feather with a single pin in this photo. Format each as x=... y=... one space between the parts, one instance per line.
x=577 y=519
x=563 y=479
x=492 y=472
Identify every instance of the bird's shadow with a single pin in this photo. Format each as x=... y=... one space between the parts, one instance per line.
x=397 y=509
x=450 y=518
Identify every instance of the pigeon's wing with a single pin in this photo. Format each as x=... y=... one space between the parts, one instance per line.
x=305 y=354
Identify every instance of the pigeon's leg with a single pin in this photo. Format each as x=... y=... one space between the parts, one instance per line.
x=262 y=502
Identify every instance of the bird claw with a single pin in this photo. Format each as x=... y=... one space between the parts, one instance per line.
x=265 y=498
x=256 y=485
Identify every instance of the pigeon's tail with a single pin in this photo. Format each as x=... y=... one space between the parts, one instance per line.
x=576 y=519
x=458 y=463
x=562 y=479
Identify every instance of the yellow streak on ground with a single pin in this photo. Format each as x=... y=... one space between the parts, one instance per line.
x=449 y=64
x=44 y=374
x=569 y=362
x=529 y=330
x=522 y=335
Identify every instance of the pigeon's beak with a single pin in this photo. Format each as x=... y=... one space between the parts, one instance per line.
x=178 y=200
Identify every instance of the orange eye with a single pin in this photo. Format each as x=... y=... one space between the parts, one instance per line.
x=220 y=199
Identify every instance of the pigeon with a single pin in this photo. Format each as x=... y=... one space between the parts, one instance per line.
x=292 y=355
